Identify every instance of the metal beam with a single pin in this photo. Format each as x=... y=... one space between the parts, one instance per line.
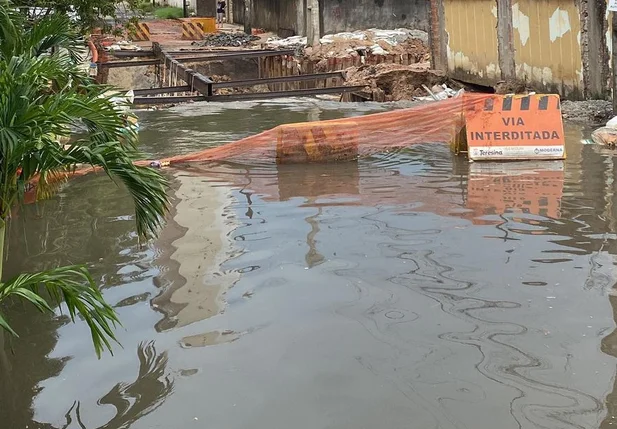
x=131 y=54
x=234 y=54
x=283 y=94
x=165 y=90
x=209 y=51
x=197 y=81
x=283 y=79
x=167 y=100
x=249 y=96
x=138 y=63
x=200 y=53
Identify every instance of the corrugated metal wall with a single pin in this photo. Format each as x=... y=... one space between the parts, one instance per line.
x=543 y=37
x=547 y=42
x=471 y=37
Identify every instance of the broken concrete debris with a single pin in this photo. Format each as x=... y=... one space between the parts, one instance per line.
x=235 y=39
x=589 y=111
x=373 y=41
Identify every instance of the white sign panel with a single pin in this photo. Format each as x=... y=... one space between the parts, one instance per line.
x=612 y=5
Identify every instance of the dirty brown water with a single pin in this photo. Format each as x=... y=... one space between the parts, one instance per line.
x=409 y=290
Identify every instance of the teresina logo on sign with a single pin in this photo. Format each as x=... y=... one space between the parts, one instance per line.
x=482 y=152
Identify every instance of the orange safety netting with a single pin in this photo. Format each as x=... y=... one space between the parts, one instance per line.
x=344 y=139
x=336 y=140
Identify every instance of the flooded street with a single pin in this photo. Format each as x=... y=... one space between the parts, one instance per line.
x=407 y=290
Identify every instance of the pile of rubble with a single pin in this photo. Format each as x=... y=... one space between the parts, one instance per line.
x=236 y=39
x=373 y=41
x=396 y=82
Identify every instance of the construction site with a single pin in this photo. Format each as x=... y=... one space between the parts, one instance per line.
x=179 y=62
x=255 y=56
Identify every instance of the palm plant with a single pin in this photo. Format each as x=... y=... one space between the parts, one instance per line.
x=43 y=94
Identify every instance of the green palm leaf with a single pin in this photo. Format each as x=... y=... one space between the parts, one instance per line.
x=75 y=287
x=43 y=95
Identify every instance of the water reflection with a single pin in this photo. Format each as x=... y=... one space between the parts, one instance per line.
x=408 y=287
x=195 y=245
x=470 y=191
x=133 y=400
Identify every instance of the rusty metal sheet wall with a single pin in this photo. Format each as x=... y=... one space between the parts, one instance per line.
x=548 y=48
x=471 y=32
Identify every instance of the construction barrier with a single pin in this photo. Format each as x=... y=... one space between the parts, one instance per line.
x=140 y=32
x=515 y=128
x=489 y=127
x=207 y=25
x=317 y=142
x=196 y=28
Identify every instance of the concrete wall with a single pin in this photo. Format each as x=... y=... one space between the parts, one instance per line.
x=350 y=15
x=279 y=16
x=556 y=46
x=206 y=8
x=238 y=12
x=287 y=17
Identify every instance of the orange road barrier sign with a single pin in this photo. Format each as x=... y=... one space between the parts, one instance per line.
x=196 y=28
x=207 y=25
x=317 y=142
x=191 y=31
x=515 y=127
x=141 y=32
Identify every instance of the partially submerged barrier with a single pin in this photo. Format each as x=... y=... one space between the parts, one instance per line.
x=475 y=123
x=485 y=127
x=517 y=127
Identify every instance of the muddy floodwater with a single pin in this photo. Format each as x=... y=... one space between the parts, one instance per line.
x=407 y=290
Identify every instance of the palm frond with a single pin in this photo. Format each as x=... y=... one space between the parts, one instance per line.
x=75 y=287
x=31 y=120
x=10 y=36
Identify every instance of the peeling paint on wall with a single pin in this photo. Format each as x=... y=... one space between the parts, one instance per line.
x=559 y=24
x=472 y=40
x=549 y=41
x=554 y=60
x=520 y=22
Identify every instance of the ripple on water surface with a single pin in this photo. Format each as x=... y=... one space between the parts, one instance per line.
x=409 y=289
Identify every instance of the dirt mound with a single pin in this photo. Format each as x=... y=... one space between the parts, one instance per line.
x=416 y=48
x=395 y=82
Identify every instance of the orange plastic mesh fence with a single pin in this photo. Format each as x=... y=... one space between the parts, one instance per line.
x=343 y=139
x=335 y=140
